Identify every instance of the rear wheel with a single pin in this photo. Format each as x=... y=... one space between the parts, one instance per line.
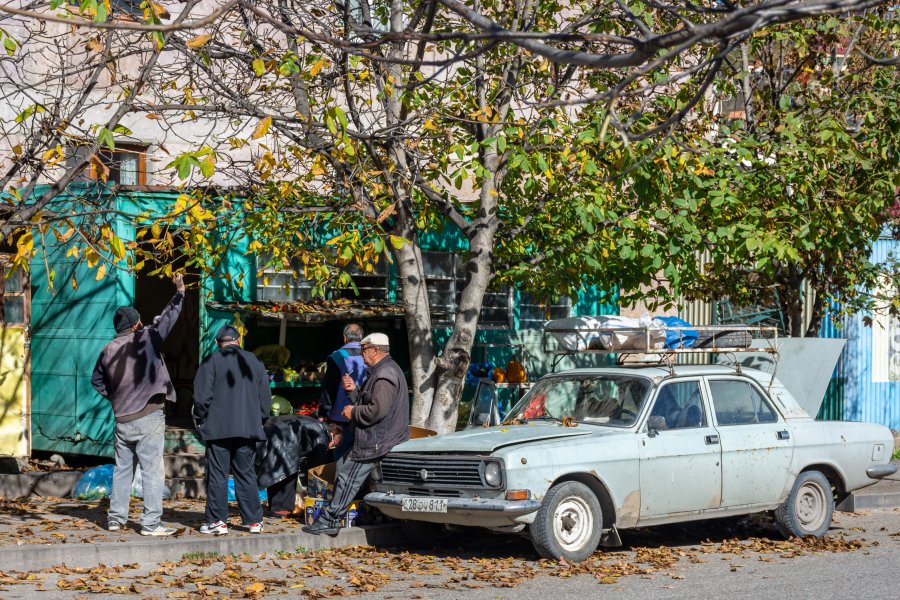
x=569 y=523
x=808 y=508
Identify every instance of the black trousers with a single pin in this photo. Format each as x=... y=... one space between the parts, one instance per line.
x=283 y=495
x=237 y=456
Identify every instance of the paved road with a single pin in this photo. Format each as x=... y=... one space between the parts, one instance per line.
x=731 y=560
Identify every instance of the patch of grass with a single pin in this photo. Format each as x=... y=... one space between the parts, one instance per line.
x=199 y=555
x=896 y=454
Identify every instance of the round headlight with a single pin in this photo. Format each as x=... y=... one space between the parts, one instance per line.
x=492 y=474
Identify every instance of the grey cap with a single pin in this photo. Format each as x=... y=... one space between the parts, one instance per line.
x=227 y=333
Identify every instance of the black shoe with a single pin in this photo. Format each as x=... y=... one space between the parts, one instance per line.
x=319 y=527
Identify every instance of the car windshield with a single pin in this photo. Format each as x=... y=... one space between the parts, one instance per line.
x=614 y=400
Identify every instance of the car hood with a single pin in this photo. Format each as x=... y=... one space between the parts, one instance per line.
x=488 y=439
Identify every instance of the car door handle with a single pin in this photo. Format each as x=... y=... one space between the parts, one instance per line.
x=783 y=435
x=712 y=439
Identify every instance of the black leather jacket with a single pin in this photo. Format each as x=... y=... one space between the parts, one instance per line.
x=293 y=442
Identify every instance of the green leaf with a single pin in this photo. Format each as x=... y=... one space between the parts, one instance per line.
x=118 y=247
x=105 y=138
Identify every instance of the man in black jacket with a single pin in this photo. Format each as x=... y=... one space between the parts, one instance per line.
x=132 y=374
x=232 y=400
x=379 y=414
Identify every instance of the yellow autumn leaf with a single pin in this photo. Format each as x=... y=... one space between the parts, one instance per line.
x=317 y=66
x=101 y=272
x=199 y=41
x=261 y=128
x=255 y=588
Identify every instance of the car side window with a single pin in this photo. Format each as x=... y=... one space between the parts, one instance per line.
x=739 y=403
x=678 y=406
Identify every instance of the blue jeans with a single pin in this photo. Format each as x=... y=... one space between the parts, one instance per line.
x=139 y=443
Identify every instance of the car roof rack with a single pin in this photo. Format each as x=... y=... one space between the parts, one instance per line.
x=652 y=341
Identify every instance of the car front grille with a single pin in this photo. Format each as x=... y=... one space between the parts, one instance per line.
x=437 y=493
x=432 y=471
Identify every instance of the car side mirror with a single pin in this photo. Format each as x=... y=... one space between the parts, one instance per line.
x=654 y=424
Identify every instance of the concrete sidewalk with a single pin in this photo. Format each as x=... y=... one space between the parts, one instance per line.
x=40 y=533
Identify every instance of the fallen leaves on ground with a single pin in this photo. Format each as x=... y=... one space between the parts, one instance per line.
x=474 y=562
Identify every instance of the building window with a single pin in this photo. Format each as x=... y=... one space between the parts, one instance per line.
x=129 y=7
x=445 y=278
x=126 y=165
x=533 y=313
x=288 y=284
x=13 y=306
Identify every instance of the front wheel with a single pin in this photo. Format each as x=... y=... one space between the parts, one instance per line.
x=808 y=508
x=569 y=523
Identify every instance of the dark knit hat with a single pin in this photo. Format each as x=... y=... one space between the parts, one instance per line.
x=125 y=318
x=227 y=333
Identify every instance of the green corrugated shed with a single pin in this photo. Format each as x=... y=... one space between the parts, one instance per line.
x=70 y=326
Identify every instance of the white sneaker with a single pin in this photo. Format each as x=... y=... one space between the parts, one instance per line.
x=217 y=528
x=256 y=527
x=159 y=531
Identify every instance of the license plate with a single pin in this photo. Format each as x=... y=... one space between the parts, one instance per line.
x=432 y=505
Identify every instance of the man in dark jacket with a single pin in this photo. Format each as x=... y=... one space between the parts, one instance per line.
x=131 y=373
x=380 y=417
x=232 y=400
x=345 y=360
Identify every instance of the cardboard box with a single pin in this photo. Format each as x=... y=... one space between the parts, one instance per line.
x=420 y=432
x=314 y=507
x=320 y=481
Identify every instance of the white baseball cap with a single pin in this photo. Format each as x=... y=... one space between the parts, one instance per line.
x=376 y=339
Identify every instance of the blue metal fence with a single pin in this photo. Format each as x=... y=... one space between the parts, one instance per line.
x=866 y=382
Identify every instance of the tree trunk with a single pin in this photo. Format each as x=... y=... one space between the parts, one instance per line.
x=457 y=352
x=414 y=292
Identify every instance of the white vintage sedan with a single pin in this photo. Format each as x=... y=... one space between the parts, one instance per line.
x=589 y=452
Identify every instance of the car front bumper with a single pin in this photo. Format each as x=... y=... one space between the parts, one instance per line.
x=460 y=511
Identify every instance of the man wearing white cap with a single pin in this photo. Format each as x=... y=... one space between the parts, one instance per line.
x=379 y=414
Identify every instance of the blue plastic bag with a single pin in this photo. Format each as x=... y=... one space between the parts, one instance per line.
x=95 y=484
x=263 y=495
x=682 y=338
x=478 y=371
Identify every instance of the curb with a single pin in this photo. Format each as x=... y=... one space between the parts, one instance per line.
x=31 y=557
x=58 y=484
x=857 y=502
